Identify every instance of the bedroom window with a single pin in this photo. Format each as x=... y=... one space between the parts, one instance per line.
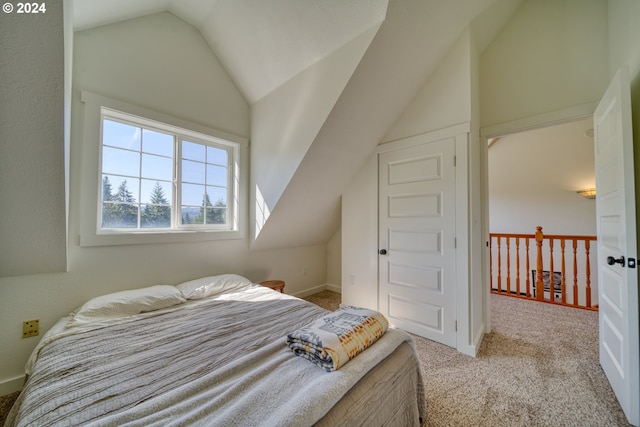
x=159 y=177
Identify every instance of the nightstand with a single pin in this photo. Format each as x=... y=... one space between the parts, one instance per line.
x=277 y=285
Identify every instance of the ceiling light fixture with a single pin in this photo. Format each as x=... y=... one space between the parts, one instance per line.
x=589 y=193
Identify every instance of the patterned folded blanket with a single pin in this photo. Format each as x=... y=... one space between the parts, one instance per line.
x=334 y=339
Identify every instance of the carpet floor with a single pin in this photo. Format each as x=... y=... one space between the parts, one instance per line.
x=538 y=367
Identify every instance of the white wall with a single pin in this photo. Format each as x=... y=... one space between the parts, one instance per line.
x=552 y=55
x=32 y=143
x=624 y=51
x=162 y=64
x=334 y=262
x=444 y=100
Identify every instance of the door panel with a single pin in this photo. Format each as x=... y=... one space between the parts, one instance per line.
x=616 y=216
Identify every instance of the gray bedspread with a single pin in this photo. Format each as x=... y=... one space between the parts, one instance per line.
x=220 y=361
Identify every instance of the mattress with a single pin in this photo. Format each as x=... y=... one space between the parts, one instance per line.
x=216 y=360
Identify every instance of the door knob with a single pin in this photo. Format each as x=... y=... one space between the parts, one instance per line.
x=383 y=251
x=611 y=260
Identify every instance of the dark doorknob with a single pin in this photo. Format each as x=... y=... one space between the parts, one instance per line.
x=383 y=251
x=611 y=260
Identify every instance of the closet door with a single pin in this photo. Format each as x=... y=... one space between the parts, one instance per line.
x=417 y=225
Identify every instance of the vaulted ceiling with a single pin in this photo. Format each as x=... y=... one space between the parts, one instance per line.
x=262 y=43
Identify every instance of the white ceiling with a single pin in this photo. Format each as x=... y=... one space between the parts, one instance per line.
x=261 y=43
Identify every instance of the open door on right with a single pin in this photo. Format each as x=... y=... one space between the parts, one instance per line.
x=617 y=252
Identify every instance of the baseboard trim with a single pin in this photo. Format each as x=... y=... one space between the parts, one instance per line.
x=334 y=288
x=316 y=289
x=11 y=385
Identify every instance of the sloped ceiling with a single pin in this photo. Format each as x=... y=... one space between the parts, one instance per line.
x=262 y=43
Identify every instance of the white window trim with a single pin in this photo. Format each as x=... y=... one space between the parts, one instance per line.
x=90 y=235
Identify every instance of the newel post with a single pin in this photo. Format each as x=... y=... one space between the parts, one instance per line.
x=539 y=282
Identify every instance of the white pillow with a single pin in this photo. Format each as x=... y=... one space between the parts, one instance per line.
x=207 y=286
x=126 y=303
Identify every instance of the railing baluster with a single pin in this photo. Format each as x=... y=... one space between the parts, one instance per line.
x=575 y=271
x=539 y=282
x=563 y=281
x=499 y=266
x=508 y=265
x=552 y=278
x=490 y=262
x=587 y=247
x=528 y=269
x=518 y=266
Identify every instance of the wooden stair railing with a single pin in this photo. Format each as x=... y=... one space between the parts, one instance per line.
x=535 y=287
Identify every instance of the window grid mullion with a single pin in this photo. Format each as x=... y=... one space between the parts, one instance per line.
x=140 y=178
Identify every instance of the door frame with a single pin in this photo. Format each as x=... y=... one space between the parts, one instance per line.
x=570 y=114
x=464 y=341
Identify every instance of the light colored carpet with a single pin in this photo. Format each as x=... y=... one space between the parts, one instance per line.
x=538 y=367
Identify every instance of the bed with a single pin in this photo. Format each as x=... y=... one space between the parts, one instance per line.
x=209 y=352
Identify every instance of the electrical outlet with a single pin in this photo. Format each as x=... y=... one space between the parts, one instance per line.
x=30 y=328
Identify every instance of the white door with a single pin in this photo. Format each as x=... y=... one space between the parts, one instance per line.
x=616 y=228
x=417 y=260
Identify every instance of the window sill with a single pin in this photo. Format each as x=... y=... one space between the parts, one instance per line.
x=148 y=238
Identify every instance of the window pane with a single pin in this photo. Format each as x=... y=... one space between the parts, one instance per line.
x=217 y=196
x=156 y=192
x=216 y=216
x=120 y=135
x=192 y=195
x=123 y=189
x=217 y=175
x=217 y=156
x=157 y=167
x=119 y=215
x=193 y=172
x=153 y=216
x=157 y=143
x=121 y=162
x=193 y=151
x=190 y=215
x=108 y=190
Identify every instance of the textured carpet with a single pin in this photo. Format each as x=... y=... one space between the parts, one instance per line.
x=325 y=299
x=5 y=405
x=538 y=367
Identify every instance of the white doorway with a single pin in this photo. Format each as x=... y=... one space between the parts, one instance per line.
x=534 y=177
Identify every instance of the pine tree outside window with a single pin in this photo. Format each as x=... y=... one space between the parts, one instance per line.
x=158 y=177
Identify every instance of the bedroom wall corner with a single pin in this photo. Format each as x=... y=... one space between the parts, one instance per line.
x=359 y=238
x=334 y=262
